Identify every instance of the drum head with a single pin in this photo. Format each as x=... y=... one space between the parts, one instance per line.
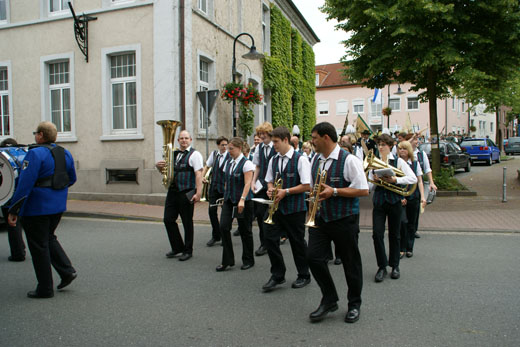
x=7 y=179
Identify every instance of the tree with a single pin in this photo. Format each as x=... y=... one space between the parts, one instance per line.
x=429 y=43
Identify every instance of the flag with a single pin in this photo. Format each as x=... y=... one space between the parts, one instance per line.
x=361 y=125
x=408 y=124
x=377 y=99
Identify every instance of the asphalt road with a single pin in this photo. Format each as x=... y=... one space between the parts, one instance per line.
x=460 y=289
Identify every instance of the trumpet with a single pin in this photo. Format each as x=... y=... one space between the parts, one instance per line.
x=169 y=127
x=314 y=198
x=274 y=205
x=205 y=186
x=218 y=202
x=373 y=163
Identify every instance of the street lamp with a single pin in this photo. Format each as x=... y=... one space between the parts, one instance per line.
x=253 y=54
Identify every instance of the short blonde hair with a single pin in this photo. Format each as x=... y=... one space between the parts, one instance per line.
x=307 y=145
x=48 y=130
x=408 y=146
x=266 y=127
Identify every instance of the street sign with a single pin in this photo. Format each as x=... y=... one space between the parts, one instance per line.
x=209 y=100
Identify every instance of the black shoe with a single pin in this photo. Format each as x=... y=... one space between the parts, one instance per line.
x=260 y=251
x=271 y=284
x=246 y=266
x=380 y=275
x=212 y=242
x=417 y=236
x=282 y=240
x=322 y=311
x=33 y=294
x=352 y=315
x=11 y=258
x=67 y=280
x=401 y=255
x=395 y=273
x=221 y=268
x=185 y=256
x=337 y=261
x=172 y=254
x=236 y=233
x=300 y=282
x=409 y=254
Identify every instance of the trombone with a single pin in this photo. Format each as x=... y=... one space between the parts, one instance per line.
x=218 y=202
x=314 y=198
x=274 y=205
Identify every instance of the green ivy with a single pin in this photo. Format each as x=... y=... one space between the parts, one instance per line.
x=289 y=74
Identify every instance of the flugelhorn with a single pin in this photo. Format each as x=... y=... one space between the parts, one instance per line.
x=169 y=127
x=314 y=198
x=373 y=163
x=274 y=205
x=205 y=185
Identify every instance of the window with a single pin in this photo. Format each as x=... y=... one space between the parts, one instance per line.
x=203 y=85
x=317 y=79
x=453 y=104
x=472 y=122
x=323 y=108
x=59 y=94
x=395 y=104
x=462 y=106
x=203 y=6
x=491 y=126
x=375 y=109
x=58 y=5
x=412 y=103
x=5 y=128
x=265 y=28
x=358 y=106
x=3 y=11
x=121 y=93
x=341 y=107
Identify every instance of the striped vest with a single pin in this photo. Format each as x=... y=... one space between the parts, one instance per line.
x=420 y=158
x=382 y=195
x=338 y=207
x=291 y=178
x=416 y=194
x=218 y=177
x=264 y=163
x=235 y=182
x=184 y=176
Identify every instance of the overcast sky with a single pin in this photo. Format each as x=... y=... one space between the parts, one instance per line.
x=329 y=49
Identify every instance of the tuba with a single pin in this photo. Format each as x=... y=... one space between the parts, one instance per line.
x=314 y=203
x=373 y=163
x=205 y=186
x=274 y=205
x=169 y=127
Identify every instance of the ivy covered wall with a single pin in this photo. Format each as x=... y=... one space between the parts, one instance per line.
x=290 y=76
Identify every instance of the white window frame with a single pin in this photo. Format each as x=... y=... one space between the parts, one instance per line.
x=7 y=14
x=110 y=134
x=317 y=79
x=201 y=4
x=46 y=10
x=375 y=110
x=453 y=104
x=266 y=28
x=358 y=102
x=319 y=106
x=342 y=101
x=210 y=85
x=397 y=109
x=69 y=136
x=412 y=97
x=7 y=64
x=491 y=126
x=110 y=3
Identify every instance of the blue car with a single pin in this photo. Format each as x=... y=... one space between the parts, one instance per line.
x=481 y=150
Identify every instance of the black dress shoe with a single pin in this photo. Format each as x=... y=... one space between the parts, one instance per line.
x=300 y=282
x=185 y=256
x=236 y=233
x=172 y=254
x=212 y=242
x=271 y=284
x=409 y=254
x=246 y=266
x=221 y=267
x=395 y=273
x=417 y=236
x=337 y=261
x=352 y=315
x=322 y=311
x=67 y=280
x=380 y=275
x=260 y=251
x=33 y=294
x=11 y=258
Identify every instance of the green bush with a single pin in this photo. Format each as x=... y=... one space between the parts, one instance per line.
x=445 y=180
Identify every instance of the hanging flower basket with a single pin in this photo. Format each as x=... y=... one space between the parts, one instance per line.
x=246 y=98
x=387 y=111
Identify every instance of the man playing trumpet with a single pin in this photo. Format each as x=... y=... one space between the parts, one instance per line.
x=337 y=220
x=294 y=171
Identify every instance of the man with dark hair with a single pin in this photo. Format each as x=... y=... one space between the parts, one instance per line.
x=294 y=170
x=337 y=221
x=217 y=163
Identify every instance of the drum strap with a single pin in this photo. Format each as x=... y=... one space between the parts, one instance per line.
x=60 y=178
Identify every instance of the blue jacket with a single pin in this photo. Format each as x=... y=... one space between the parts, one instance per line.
x=37 y=201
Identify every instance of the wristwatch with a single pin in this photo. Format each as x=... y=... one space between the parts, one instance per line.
x=335 y=193
x=242 y=198
x=287 y=191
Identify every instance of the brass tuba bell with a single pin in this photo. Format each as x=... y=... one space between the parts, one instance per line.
x=169 y=127
x=373 y=163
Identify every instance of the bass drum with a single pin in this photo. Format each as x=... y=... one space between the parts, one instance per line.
x=11 y=161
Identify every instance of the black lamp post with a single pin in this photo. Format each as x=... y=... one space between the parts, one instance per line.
x=253 y=54
x=399 y=92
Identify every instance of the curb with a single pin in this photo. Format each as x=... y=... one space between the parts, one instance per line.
x=448 y=193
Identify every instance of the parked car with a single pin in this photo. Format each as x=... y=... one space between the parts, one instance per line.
x=482 y=150
x=513 y=145
x=451 y=155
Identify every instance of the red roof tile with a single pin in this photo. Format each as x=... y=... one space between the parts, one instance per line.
x=331 y=75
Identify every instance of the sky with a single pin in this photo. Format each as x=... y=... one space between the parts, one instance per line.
x=329 y=49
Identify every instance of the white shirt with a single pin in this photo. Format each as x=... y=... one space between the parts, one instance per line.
x=352 y=170
x=427 y=168
x=209 y=162
x=419 y=169
x=248 y=165
x=358 y=152
x=304 y=167
x=195 y=161
x=409 y=177
x=256 y=156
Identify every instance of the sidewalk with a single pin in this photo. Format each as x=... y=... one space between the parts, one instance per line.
x=485 y=212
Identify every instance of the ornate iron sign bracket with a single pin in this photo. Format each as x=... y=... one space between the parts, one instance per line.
x=81 y=30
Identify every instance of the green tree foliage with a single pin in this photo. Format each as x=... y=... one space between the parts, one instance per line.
x=429 y=43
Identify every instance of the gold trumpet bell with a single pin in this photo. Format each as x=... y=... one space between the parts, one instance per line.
x=371 y=162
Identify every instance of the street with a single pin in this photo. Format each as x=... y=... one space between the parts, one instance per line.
x=459 y=289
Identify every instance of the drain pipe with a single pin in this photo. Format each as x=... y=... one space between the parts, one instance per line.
x=182 y=79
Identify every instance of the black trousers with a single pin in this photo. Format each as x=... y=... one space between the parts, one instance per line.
x=260 y=211
x=214 y=195
x=345 y=234
x=14 y=235
x=379 y=216
x=46 y=250
x=293 y=225
x=245 y=227
x=178 y=204
x=408 y=224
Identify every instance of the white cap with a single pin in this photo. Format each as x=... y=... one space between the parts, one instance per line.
x=350 y=129
x=386 y=131
x=295 y=130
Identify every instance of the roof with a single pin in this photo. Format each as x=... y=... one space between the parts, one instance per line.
x=331 y=75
